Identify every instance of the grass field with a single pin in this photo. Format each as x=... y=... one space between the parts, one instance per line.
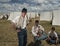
x=8 y=35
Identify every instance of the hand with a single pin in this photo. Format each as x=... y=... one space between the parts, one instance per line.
x=38 y=35
x=13 y=25
x=56 y=40
x=18 y=30
x=48 y=38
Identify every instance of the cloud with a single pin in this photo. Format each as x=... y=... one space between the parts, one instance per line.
x=36 y=1
x=5 y=0
x=39 y=1
x=31 y=5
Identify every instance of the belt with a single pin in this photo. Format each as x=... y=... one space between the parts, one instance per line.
x=19 y=28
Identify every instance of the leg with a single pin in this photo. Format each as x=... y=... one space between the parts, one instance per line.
x=37 y=41
x=52 y=41
x=25 y=37
x=43 y=37
x=20 y=38
x=48 y=40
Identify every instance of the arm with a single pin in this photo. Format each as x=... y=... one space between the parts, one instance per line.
x=56 y=40
x=49 y=35
x=27 y=20
x=13 y=25
x=56 y=37
x=33 y=32
x=41 y=27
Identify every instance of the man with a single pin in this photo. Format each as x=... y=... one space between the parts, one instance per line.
x=38 y=32
x=52 y=36
x=20 y=25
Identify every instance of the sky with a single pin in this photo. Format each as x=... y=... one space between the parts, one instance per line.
x=31 y=5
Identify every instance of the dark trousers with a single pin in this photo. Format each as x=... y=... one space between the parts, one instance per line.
x=22 y=37
x=38 y=39
x=51 y=40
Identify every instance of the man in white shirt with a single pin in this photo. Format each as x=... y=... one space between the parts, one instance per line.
x=20 y=24
x=52 y=36
x=38 y=32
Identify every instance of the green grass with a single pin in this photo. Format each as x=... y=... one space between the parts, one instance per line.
x=8 y=36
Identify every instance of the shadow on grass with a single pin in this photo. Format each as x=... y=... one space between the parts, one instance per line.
x=31 y=44
x=35 y=44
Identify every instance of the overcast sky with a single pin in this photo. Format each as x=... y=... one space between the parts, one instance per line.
x=31 y=5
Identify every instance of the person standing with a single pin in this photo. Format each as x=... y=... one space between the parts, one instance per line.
x=20 y=25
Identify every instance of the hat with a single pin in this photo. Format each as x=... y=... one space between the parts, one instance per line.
x=24 y=10
x=36 y=21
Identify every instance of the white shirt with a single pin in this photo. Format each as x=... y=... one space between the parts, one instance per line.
x=53 y=33
x=34 y=30
x=22 y=24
